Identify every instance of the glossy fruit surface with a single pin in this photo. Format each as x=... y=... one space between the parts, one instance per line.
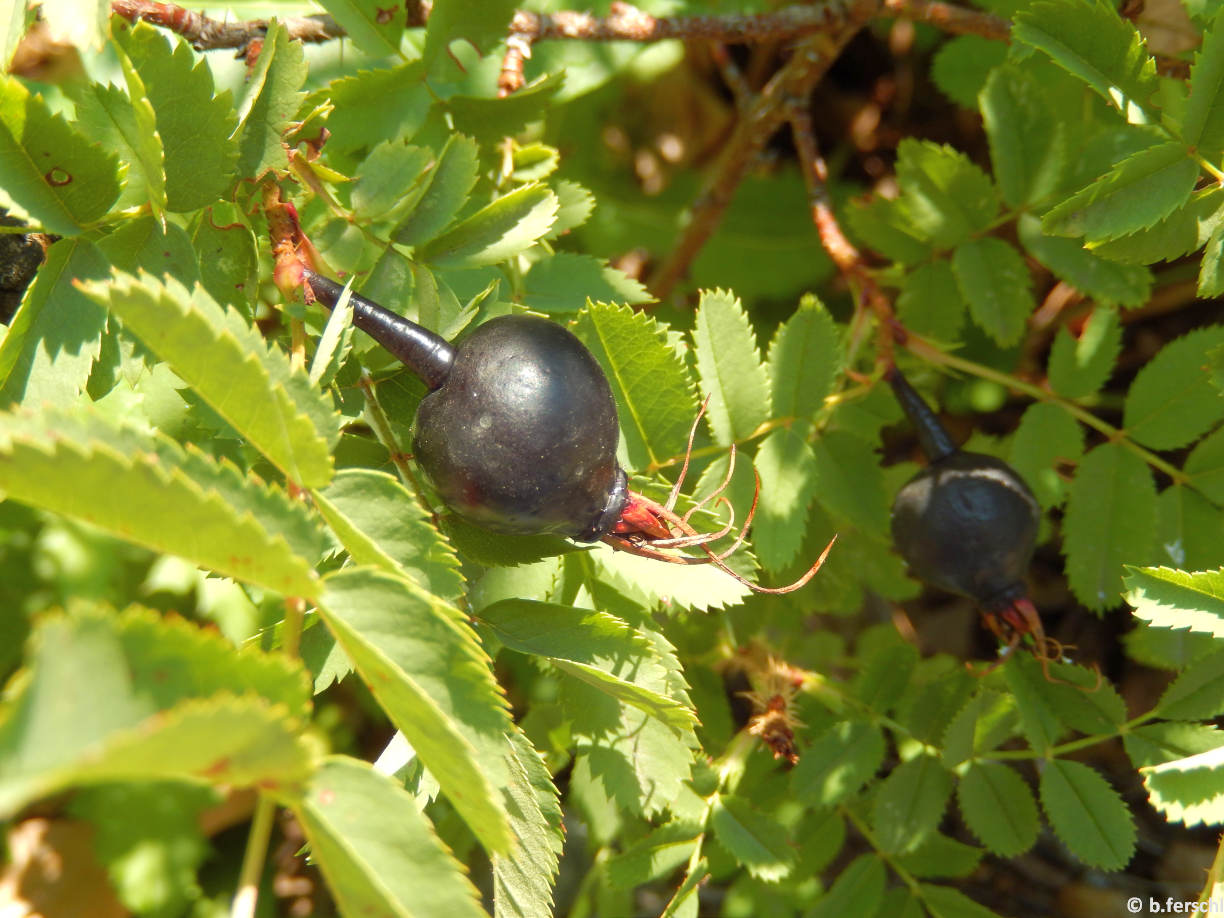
x=967 y=523
x=521 y=435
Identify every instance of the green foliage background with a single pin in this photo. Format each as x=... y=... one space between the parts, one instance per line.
x=192 y=464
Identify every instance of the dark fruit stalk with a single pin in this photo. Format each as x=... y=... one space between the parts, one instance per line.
x=429 y=356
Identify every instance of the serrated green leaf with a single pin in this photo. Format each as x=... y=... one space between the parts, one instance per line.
x=962 y=64
x=126 y=126
x=655 y=856
x=144 y=243
x=1185 y=230
x=596 y=647
x=805 y=359
x=375 y=30
x=882 y=225
x=375 y=105
x=996 y=284
x=654 y=394
x=270 y=99
x=1211 y=271
x=145 y=488
x=1135 y=195
x=132 y=697
x=376 y=849
x=986 y=720
x=1163 y=648
x=495 y=549
x=1188 y=790
x=390 y=180
x=849 y=482
x=910 y=803
x=1187 y=528
x=949 y=902
x=1087 y=814
x=858 y=890
x=1107 y=282
x=508 y=226
x=938 y=696
x=194 y=124
x=441 y=193
x=381 y=523
x=1198 y=693
x=1091 y=41
x=334 y=345
x=1153 y=744
x=435 y=683
x=576 y=205
x=838 y=763
x=1040 y=722
x=1169 y=598
x=730 y=367
x=227 y=254
x=482 y=28
x=641 y=764
x=152 y=862
x=1205 y=466
x=885 y=676
x=491 y=119
x=230 y=366
x=561 y=284
x=998 y=807
x=522 y=880
x=55 y=335
x=685 y=586
x=941 y=856
x=1080 y=366
x=62 y=179
x=754 y=839
x=788 y=468
x=1047 y=436
x=946 y=196
x=1172 y=401
x=930 y=302
x=1075 y=695
x=1203 y=122
x=13 y=25
x=1028 y=147
x=1110 y=521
